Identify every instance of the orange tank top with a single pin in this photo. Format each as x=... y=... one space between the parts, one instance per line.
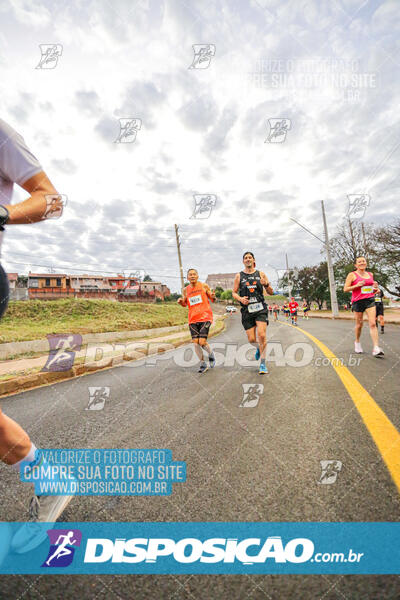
x=198 y=304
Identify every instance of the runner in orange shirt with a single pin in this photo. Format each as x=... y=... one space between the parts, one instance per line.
x=196 y=297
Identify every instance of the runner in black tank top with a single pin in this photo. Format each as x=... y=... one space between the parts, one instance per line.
x=248 y=289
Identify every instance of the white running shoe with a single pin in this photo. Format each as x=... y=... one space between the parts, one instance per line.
x=42 y=509
x=357 y=348
x=378 y=351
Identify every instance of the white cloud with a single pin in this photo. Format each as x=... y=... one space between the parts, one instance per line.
x=202 y=130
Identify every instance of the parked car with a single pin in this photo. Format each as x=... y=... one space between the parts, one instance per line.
x=231 y=309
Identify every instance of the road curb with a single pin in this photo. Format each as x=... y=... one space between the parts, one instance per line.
x=8 y=349
x=28 y=382
x=350 y=318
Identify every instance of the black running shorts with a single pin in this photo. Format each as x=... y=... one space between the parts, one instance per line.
x=379 y=308
x=363 y=304
x=249 y=320
x=200 y=329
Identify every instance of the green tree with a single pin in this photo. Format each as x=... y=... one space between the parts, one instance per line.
x=386 y=254
x=227 y=295
x=218 y=291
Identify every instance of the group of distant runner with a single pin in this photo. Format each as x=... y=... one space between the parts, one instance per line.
x=248 y=290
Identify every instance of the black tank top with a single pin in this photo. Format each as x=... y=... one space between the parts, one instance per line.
x=250 y=285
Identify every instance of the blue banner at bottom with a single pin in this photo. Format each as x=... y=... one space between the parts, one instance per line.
x=194 y=547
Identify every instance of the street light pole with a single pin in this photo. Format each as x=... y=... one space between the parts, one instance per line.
x=178 y=245
x=331 y=276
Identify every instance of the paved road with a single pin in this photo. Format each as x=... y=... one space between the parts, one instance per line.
x=259 y=463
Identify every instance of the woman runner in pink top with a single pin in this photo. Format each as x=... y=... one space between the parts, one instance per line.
x=362 y=286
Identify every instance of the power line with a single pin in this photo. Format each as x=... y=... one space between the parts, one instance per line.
x=88 y=270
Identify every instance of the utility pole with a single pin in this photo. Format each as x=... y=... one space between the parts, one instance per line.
x=288 y=275
x=178 y=245
x=325 y=242
x=331 y=276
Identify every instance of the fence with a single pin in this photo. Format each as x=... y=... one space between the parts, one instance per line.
x=19 y=294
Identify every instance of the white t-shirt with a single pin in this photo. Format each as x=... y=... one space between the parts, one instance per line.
x=17 y=163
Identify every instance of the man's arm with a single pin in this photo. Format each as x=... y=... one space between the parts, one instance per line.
x=34 y=208
x=241 y=299
x=183 y=300
x=208 y=291
x=265 y=283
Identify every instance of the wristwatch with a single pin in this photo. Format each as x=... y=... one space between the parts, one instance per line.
x=4 y=214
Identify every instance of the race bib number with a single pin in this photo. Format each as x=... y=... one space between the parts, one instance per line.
x=367 y=289
x=378 y=299
x=195 y=300
x=255 y=307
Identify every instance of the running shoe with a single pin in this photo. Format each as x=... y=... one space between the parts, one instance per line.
x=378 y=351
x=211 y=360
x=42 y=509
x=257 y=356
x=358 y=348
x=263 y=369
x=203 y=367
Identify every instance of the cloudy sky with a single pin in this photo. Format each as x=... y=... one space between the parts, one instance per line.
x=330 y=70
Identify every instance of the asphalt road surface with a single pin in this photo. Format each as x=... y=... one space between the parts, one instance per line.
x=249 y=458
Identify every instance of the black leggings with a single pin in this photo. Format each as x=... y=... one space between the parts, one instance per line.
x=4 y=291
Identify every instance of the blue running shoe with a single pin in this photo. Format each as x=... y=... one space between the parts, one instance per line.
x=203 y=367
x=263 y=368
x=257 y=356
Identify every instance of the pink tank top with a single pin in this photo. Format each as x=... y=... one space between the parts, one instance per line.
x=366 y=291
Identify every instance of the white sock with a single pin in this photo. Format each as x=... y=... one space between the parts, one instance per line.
x=30 y=457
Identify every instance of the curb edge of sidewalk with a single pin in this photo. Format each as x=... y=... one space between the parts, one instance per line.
x=24 y=383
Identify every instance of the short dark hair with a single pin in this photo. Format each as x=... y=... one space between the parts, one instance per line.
x=248 y=253
x=191 y=269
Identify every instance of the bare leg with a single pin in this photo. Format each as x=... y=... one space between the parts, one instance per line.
x=359 y=325
x=262 y=338
x=373 y=330
x=14 y=441
x=204 y=345
x=251 y=336
x=198 y=349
